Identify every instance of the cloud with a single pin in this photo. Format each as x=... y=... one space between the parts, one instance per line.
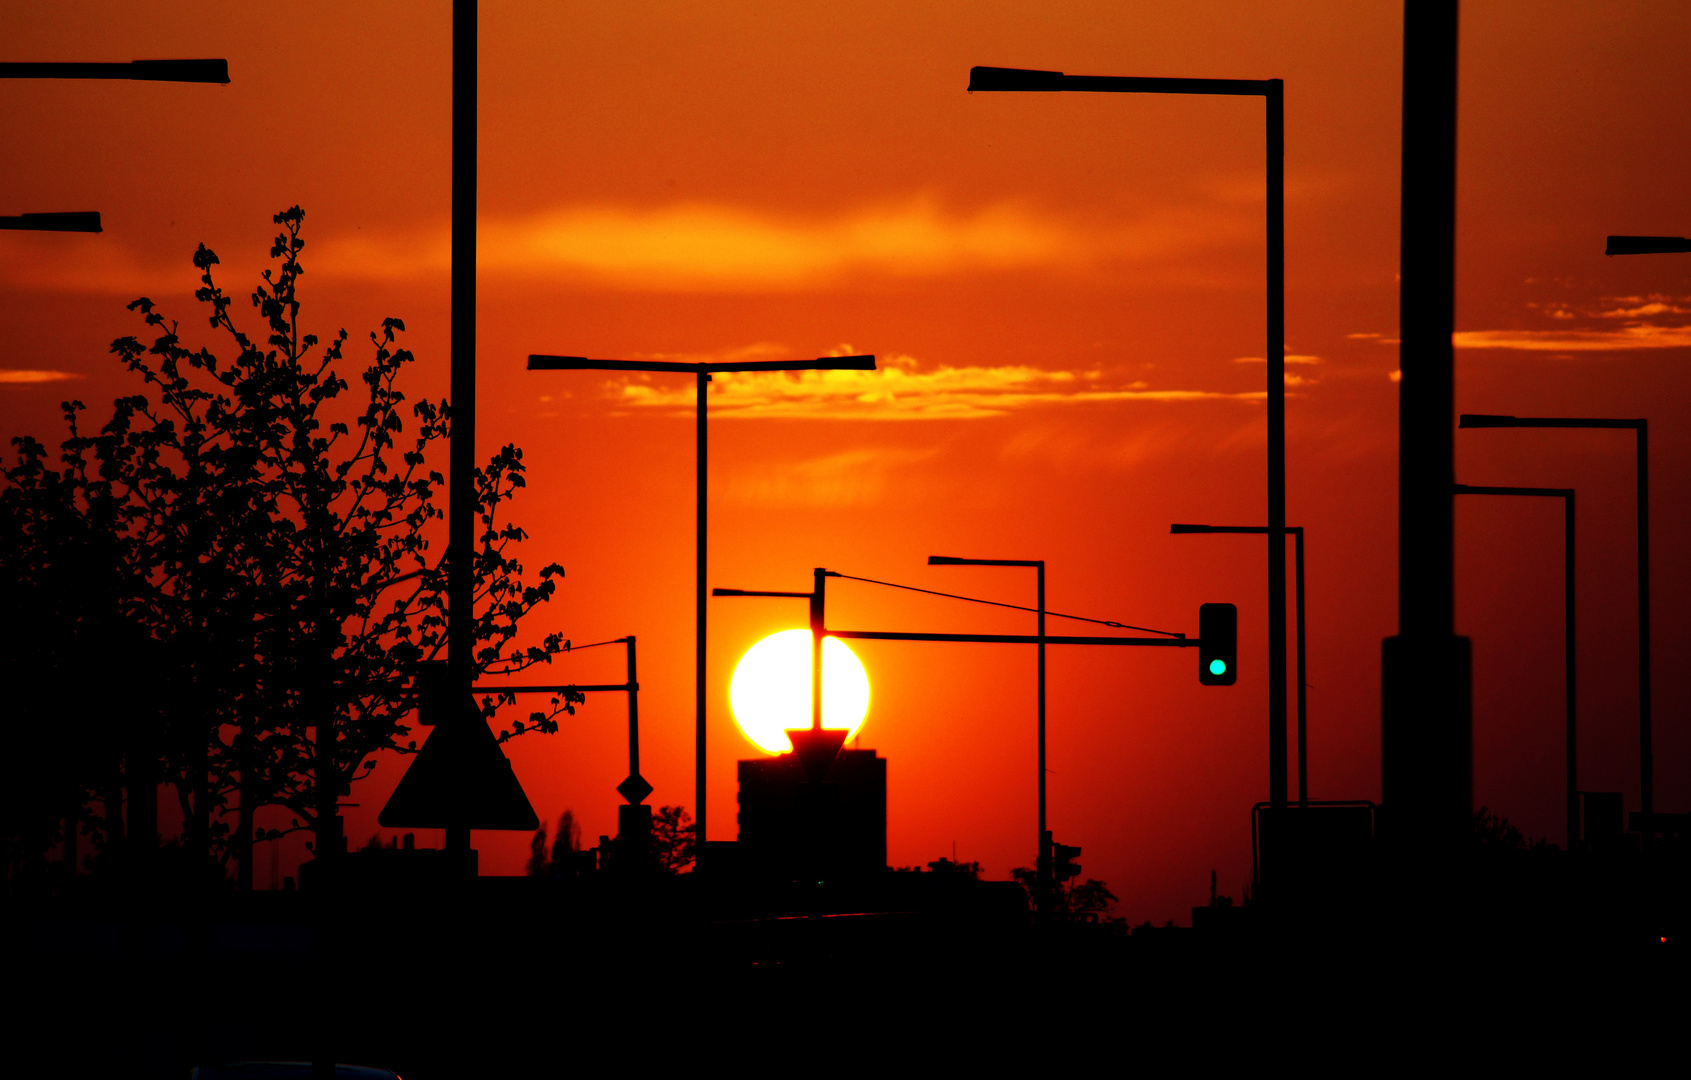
x=28 y=376
x=1626 y=337
x=1290 y=359
x=899 y=390
x=713 y=247
x=689 y=246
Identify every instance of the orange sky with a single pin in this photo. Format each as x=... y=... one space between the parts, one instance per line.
x=1065 y=293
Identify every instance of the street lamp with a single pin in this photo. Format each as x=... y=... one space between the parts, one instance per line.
x=1272 y=93
x=1303 y=737
x=143 y=790
x=702 y=372
x=194 y=71
x=1646 y=762
x=1042 y=861
x=1567 y=497
x=1646 y=245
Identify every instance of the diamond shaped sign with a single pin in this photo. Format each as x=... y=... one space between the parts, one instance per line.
x=634 y=789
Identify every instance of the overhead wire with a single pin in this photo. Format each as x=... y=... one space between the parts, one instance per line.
x=1013 y=607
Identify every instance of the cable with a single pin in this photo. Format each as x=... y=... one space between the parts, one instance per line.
x=577 y=648
x=1013 y=607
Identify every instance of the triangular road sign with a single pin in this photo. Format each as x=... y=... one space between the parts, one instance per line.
x=816 y=749
x=460 y=779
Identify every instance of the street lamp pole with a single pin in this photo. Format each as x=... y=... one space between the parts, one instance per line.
x=1303 y=716
x=461 y=490
x=1272 y=91
x=1641 y=427
x=1042 y=863
x=192 y=71
x=1567 y=497
x=702 y=373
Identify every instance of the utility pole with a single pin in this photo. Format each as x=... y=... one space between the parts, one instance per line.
x=461 y=520
x=1426 y=756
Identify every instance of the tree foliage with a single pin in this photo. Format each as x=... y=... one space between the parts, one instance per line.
x=1069 y=898
x=259 y=532
x=673 y=844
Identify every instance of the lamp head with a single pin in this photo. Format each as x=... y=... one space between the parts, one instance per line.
x=1013 y=79
x=1484 y=420
x=1646 y=245
x=945 y=560
x=1191 y=528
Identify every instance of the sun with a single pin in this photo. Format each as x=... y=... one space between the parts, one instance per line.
x=770 y=691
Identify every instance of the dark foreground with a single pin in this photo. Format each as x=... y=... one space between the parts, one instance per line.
x=514 y=977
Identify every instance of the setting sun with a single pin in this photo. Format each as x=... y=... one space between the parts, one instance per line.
x=770 y=691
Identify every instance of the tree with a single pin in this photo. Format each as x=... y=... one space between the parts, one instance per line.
x=672 y=839
x=1069 y=899
x=270 y=541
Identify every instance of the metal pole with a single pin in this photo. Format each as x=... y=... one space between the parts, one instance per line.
x=1646 y=759
x=1571 y=665
x=633 y=711
x=817 y=628
x=1043 y=858
x=701 y=460
x=1303 y=715
x=1426 y=720
x=1274 y=111
x=461 y=527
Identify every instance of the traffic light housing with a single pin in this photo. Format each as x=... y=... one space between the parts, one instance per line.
x=1218 y=644
x=1064 y=862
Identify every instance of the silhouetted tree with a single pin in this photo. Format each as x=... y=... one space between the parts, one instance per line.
x=537 y=852
x=270 y=544
x=970 y=870
x=1089 y=897
x=567 y=843
x=672 y=839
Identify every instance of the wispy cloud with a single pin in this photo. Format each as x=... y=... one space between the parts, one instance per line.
x=28 y=376
x=692 y=246
x=899 y=390
x=1642 y=319
x=713 y=247
x=1625 y=337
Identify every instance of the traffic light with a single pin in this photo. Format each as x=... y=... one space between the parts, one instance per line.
x=1218 y=644
x=1064 y=862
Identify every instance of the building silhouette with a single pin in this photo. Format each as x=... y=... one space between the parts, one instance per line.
x=791 y=828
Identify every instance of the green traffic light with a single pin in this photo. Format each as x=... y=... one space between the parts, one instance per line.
x=1218 y=667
